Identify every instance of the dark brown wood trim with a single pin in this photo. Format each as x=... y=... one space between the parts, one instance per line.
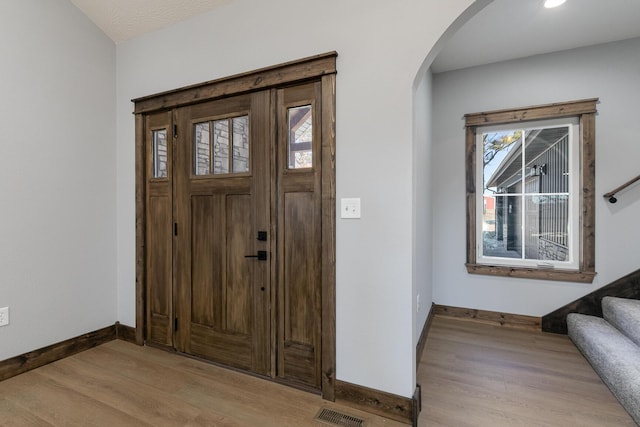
x=588 y=187
x=328 y=338
x=625 y=287
x=140 y=189
x=532 y=273
x=264 y=78
x=538 y=112
x=45 y=355
x=126 y=333
x=422 y=341
x=417 y=405
x=518 y=321
x=378 y=402
x=470 y=162
x=585 y=110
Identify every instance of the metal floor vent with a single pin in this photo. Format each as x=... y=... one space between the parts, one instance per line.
x=335 y=418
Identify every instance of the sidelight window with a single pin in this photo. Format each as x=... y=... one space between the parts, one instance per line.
x=300 y=122
x=160 y=153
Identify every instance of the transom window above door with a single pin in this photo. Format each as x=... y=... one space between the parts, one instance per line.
x=221 y=146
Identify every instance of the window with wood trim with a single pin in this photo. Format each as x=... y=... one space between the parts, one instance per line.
x=530 y=192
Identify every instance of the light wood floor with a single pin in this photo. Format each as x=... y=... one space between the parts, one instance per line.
x=481 y=375
x=120 y=384
x=471 y=375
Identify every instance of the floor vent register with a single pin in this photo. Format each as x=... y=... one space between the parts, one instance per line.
x=335 y=418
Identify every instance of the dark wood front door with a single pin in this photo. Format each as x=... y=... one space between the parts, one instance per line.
x=222 y=215
x=239 y=217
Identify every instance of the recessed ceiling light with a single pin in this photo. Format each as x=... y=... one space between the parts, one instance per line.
x=553 y=3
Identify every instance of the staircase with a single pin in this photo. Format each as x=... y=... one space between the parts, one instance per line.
x=612 y=345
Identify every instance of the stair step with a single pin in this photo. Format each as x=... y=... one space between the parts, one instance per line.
x=624 y=314
x=613 y=356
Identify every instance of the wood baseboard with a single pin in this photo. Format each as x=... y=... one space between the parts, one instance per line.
x=45 y=355
x=422 y=341
x=518 y=321
x=398 y=408
x=126 y=333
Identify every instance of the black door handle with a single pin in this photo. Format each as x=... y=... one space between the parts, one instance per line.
x=261 y=256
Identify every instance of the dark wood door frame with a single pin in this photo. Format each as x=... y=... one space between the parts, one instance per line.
x=321 y=67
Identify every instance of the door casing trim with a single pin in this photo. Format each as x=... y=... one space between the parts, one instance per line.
x=322 y=67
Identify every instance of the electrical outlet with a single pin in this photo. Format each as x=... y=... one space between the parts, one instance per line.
x=4 y=316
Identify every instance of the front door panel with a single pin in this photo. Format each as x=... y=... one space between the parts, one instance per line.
x=222 y=201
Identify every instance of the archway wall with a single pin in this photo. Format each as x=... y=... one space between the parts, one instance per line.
x=381 y=45
x=423 y=179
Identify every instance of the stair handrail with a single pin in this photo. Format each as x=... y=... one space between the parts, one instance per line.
x=611 y=194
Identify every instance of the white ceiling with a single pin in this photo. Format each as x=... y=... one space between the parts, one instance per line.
x=125 y=19
x=509 y=29
x=505 y=29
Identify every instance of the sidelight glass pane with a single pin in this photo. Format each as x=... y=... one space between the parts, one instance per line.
x=300 y=151
x=241 y=144
x=202 y=149
x=160 y=153
x=221 y=146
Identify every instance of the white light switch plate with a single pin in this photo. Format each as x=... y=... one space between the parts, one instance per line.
x=350 y=208
x=4 y=316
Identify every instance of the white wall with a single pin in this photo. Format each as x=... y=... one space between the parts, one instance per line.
x=381 y=46
x=57 y=175
x=609 y=72
x=422 y=204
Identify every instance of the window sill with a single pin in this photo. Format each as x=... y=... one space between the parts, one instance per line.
x=532 y=273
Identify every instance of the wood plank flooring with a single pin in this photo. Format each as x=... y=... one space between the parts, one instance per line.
x=471 y=374
x=121 y=384
x=475 y=374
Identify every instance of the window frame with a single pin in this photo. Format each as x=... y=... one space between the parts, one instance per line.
x=584 y=111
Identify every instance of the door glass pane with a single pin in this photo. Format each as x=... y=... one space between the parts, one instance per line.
x=202 y=149
x=160 y=153
x=300 y=137
x=241 y=144
x=221 y=146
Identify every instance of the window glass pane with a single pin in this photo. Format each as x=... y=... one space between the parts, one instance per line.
x=241 y=144
x=547 y=227
x=300 y=137
x=202 y=149
x=501 y=226
x=160 y=153
x=547 y=158
x=221 y=146
x=502 y=157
